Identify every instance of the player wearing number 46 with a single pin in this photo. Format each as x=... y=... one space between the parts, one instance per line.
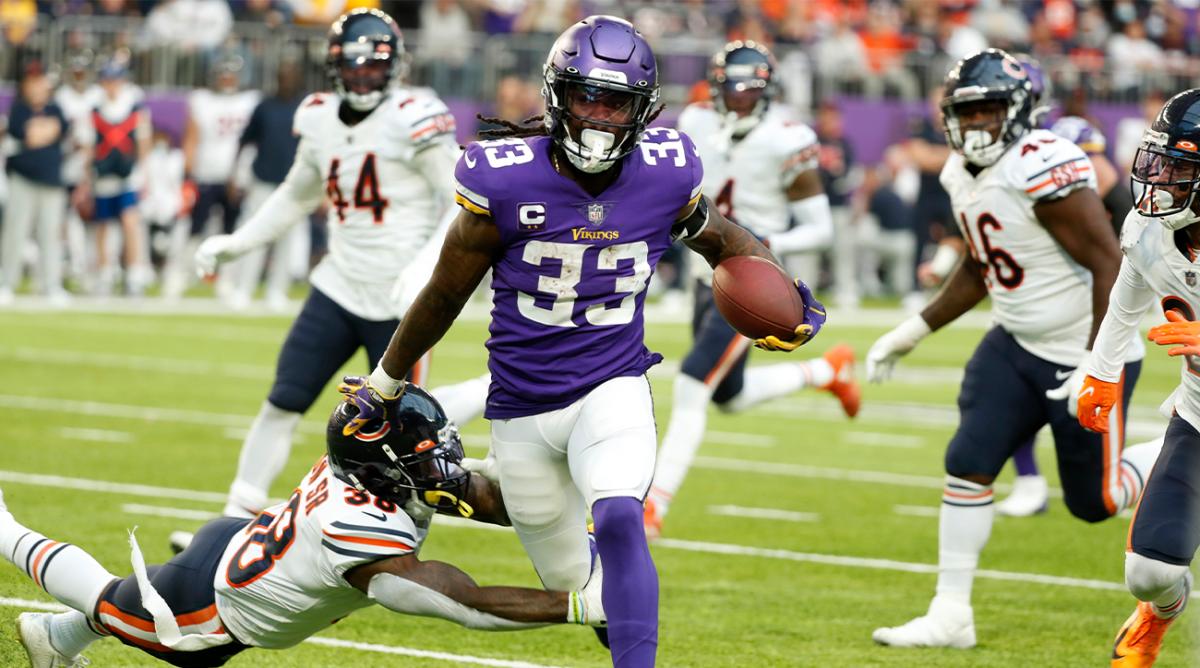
x=1041 y=245
x=383 y=154
x=347 y=538
x=571 y=215
x=765 y=168
x=1159 y=238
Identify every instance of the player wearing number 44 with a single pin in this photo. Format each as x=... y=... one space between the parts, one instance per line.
x=571 y=215
x=347 y=538
x=383 y=154
x=1041 y=246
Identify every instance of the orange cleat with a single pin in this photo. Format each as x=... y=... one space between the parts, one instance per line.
x=1140 y=638
x=652 y=521
x=844 y=386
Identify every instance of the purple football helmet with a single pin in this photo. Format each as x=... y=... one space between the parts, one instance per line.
x=1039 y=87
x=600 y=84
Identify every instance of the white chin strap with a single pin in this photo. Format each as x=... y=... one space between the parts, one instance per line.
x=980 y=149
x=592 y=156
x=364 y=101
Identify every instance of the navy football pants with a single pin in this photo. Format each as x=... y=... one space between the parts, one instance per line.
x=1166 y=524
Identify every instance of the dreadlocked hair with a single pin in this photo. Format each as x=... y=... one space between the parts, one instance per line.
x=534 y=126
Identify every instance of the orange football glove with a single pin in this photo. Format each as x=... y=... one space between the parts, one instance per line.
x=1177 y=331
x=1096 y=399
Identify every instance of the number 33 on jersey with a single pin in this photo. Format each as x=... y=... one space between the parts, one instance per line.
x=570 y=280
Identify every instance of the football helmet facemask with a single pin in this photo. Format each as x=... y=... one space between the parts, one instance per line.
x=600 y=83
x=1166 y=167
x=413 y=454
x=365 y=57
x=988 y=105
x=741 y=82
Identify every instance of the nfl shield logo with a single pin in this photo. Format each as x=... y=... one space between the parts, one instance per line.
x=1190 y=277
x=595 y=213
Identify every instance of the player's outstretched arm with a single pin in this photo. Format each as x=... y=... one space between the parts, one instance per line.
x=707 y=232
x=961 y=292
x=410 y=586
x=485 y=500
x=1079 y=223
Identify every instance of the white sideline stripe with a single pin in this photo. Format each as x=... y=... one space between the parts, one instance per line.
x=879 y=564
x=100 y=435
x=825 y=473
x=332 y=642
x=145 y=413
x=162 y=511
x=882 y=440
x=764 y=513
x=174 y=365
x=735 y=438
x=916 y=511
x=86 y=485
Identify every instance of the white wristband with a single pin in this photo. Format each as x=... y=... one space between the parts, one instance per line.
x=386 y=385
x=914 y=329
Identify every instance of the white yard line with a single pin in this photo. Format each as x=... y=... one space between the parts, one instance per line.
x=775 y=514
x=98 y=435
x=878 y=439
x=163 y=511
x=172 y=365
x=128 y=489
x=459 y=659
x=739 y=439
x=917 y=511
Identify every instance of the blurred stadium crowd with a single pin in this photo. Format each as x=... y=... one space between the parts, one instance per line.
x=214 y=83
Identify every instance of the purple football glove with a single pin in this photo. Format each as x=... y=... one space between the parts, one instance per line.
x=370 y=402
x=814 y=318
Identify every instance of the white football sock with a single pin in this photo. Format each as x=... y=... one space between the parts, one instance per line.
x=963 y=529
x=764 y=383
x=685 y=431
x=65 y=571
x=463 y=401
x=1136 y=463
x=264 y=454
x=71 y=633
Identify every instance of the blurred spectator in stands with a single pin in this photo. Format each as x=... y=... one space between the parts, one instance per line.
x=956 y=37
x=885 y=46
x=37 y=200
x=443 y=58
x=840 y=54
x=1129 y=131
x=216 y=118
x=747 y=22
x=271 y=13
x=886 y=242
x=117 y=8
x=933 y=217
x=118 y=139
x=77 y=97
x=1131 y=56
x=18 y=19
x=1001 y=25
x=516 y=100
x=321 y=13
x=270 y=133
x=189 y=25
x=835 y=164
x=548 y=17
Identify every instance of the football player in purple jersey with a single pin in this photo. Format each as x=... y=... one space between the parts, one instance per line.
x=571 y=216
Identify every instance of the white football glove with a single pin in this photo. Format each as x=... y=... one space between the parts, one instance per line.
x=892 y=346
x=213 y=251
x=1069 y=390
x=487 y=467
x=584 y=606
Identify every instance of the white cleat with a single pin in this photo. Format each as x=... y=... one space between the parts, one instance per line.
x=180 y=540
x=1029 y=496
x=947 y=624
x=33 y=628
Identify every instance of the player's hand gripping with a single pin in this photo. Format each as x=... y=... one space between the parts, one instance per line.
x=1069 y=390
x=1096 y=399
x=890 y=347
x=1177 y=331
x=371 y=402
x=487 y=467
x=212 y=252
x=814 y=318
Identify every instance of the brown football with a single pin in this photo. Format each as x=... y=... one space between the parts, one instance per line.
x=757 y=298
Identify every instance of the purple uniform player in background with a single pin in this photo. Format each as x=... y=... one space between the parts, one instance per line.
x=571 y=215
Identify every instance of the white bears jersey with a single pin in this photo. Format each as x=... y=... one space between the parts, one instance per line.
x=384 y=200
x=1154 y=272
x=1040 y=294
x=219 y=119
x=282 y=580
x=77 y=106
x=748 y=179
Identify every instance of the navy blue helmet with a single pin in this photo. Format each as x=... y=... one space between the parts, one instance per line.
x=1166 y=167
x=741 y=80
x=995 y=82
x=366 y=55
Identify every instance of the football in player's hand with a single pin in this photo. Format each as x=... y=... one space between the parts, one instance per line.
x=757 y=298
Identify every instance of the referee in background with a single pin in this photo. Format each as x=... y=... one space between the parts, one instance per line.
x=36 y=195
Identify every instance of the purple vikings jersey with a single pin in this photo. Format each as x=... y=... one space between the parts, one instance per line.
x=570 y=282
